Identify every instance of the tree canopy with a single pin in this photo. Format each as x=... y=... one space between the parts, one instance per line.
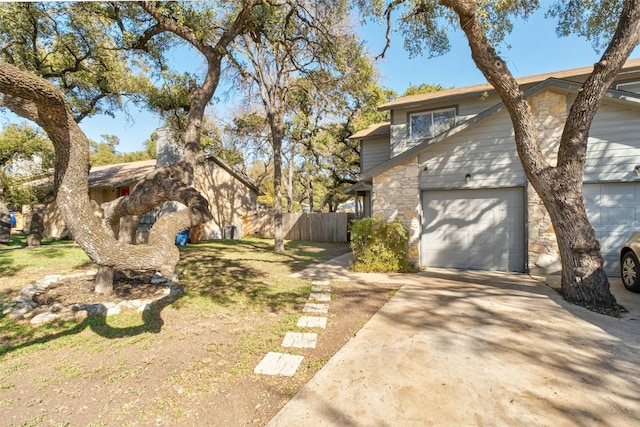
x=24 y=154
x=72 y=44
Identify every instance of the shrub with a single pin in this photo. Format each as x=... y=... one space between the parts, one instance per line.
x=379 y=246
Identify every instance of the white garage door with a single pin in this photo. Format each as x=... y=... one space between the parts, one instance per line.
x=614 y=211
x=473 y=229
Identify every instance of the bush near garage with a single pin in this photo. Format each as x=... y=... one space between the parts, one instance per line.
x=380 y=246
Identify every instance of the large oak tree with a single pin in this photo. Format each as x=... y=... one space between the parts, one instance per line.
x=28 y=93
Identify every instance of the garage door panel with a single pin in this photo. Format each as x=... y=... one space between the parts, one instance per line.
x=481 y=220
x=449 y=258
x=591 y=195
x=502 y=215
x=615 y=195
x=594 y=216
x=611 y=241
x=457 y=240
x=479 y=259
x=484 y=239
x=613 y=216
x=613 y=210
x=438 y=241
x=474 y=229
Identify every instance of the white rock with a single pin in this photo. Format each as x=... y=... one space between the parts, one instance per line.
x=112 y=311
x=549 y=264
x=44 y=318
x=56 y=307
x=81 y=315
x=21 y=299
x=30 y=291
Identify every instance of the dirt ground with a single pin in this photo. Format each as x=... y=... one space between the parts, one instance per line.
x=194 y=369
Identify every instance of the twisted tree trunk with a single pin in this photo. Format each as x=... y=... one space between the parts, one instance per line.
x=36 y=99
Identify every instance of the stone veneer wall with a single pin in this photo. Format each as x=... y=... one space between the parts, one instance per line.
x=550 y=110
x=396 y=194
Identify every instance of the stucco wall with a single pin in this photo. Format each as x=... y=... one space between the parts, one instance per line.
x=229 y=200
x=54 y=225
x=396 y=194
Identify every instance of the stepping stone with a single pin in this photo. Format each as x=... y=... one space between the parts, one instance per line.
x=300 y=339
x=320 y=288
x=279 y=364
x=320 y=296
x=312 y=307
x=320 y=282
x=312 y=322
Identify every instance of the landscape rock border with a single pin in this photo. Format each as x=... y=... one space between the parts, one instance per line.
x=25 y=307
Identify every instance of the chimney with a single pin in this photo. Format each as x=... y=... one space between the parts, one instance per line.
x=168 y=149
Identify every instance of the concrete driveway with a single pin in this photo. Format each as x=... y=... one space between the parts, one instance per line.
x=460 y=348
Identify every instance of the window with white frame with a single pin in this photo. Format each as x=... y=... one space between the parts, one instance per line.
x=428 y=124
x=633 y=86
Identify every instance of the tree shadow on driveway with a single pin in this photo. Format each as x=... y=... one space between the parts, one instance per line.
x=508 y=343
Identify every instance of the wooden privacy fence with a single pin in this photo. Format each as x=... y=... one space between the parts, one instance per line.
x=315 y=227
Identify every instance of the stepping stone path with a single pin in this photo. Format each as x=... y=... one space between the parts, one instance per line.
x=284 y=364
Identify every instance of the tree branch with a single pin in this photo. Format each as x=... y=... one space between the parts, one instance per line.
x=387 y=33
x=625 y=39
x=498 y=75
x=146 y=37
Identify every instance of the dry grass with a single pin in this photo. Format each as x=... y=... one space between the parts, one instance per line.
x=187 y=363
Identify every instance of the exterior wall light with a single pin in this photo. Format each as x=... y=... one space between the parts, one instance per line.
x=467 y=178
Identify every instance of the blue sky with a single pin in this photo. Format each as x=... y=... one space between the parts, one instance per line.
x=535 y=49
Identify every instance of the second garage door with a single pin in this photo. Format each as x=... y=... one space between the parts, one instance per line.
x=614 y=211
x=473 y=229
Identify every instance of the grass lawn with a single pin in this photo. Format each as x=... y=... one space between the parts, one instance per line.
x=188 y=363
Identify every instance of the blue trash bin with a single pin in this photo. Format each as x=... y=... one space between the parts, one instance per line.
x=182 y=238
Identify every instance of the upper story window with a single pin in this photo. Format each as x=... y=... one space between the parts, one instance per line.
x=428 y=124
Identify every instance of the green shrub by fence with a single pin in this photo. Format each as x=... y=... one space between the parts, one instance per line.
x=380 y=246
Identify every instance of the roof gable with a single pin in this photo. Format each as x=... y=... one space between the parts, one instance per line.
x=233 y=172
x=562 y=85
x=371 y=131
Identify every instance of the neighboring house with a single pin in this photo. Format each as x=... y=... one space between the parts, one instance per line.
x=447 y=167
x=231 y=196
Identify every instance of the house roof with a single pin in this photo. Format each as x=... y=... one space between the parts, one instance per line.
x=376 y=129
x=358 y=186
x=120 y=175
x=628 y=98
x=124 y=174
x=574 y=75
